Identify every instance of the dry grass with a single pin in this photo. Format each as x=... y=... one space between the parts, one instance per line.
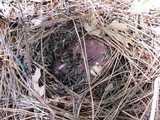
x=122 y=91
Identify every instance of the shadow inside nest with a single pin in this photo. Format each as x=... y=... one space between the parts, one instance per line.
x=63 y=56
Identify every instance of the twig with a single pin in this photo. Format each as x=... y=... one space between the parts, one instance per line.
x=16 y=59
x=155 y=98
x=84 y=54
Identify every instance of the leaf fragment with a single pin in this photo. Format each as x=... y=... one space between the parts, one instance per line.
x=119 y=26
x=36 y=75
x=35 y=81
x=92 y=30
x=144 y=6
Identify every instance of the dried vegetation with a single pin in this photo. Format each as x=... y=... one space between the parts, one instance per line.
x=81 y=59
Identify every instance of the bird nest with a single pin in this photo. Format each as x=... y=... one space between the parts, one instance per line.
x=75 y=64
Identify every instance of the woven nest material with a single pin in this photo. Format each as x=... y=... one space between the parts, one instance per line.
x=96 y=60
